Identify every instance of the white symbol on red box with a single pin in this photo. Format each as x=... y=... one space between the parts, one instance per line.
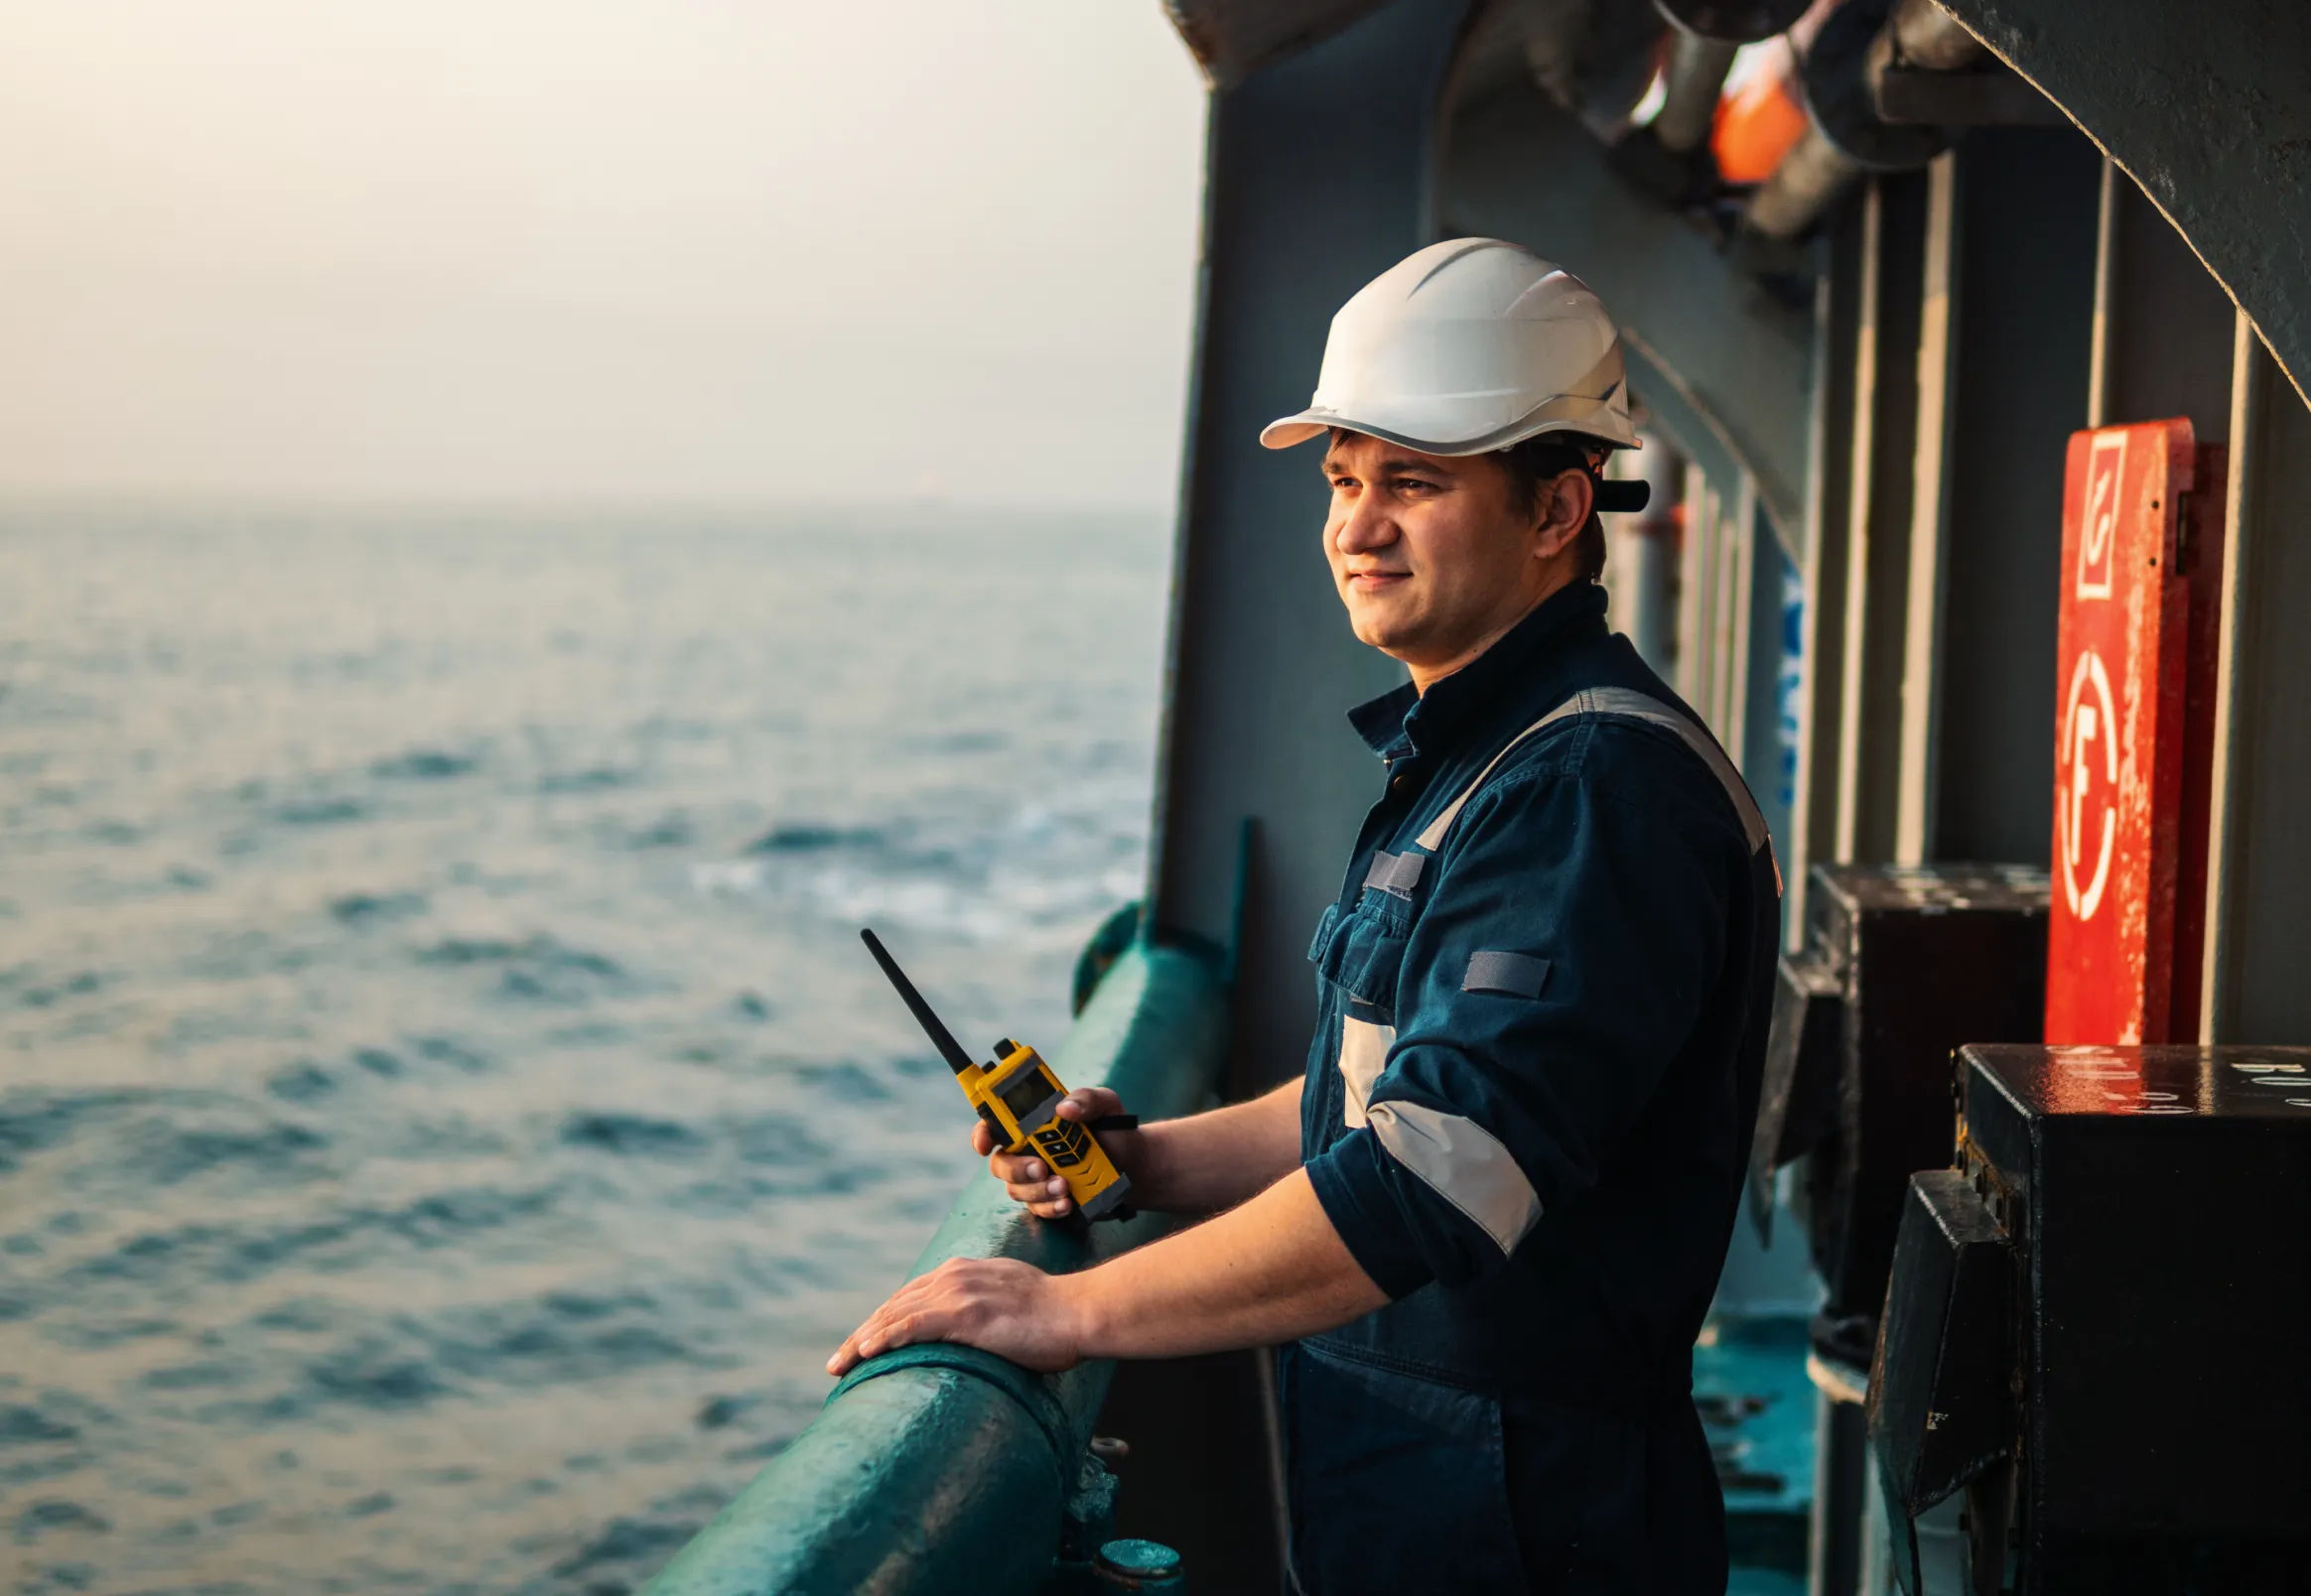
x=2087 y=806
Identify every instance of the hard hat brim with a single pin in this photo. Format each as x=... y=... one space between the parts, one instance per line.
x=1574 y=413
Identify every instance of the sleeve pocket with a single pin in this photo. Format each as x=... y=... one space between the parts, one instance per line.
x=1511 y=975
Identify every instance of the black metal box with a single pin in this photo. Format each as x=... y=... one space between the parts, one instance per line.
x=1914 y=961
x=1941 y=1388
x=2158 y=1204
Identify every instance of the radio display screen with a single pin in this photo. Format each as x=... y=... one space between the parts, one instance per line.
x=1025 y=1095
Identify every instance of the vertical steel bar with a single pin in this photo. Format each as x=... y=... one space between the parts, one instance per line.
x=2251 y=372
x=1712 y=577
x=1885 y=458
x=1859 y=479
x=1694 y=599
x=1824 y=569
x=1817 y=582
x=1928 y=529
x=1733 y=676
x=1641 y=574
x=2105 y=294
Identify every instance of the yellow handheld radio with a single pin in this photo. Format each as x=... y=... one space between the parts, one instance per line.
x=1019 y=1096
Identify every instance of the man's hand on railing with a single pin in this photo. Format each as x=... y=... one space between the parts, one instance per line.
x=1034 y=1182
x=998 y=1305
x=1269 y=1272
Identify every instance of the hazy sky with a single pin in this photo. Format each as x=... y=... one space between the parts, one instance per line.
x=580 y=250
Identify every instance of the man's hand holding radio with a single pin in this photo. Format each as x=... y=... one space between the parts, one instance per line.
x=1198 y=1166
x=1032 y=1181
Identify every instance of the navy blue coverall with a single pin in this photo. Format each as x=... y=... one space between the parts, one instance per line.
x=1528 y=1111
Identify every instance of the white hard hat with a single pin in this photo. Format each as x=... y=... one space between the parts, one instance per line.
x=1467 y=347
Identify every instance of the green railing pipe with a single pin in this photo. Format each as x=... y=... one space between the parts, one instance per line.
x=940 y=1469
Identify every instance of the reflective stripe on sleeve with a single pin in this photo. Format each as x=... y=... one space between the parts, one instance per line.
x=1463 y=1164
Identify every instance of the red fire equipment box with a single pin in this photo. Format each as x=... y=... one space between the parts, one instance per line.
x=2142 y=569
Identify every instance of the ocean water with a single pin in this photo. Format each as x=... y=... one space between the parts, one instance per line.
x=446 y=1116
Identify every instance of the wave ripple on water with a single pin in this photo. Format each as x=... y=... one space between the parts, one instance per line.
x=426 y=959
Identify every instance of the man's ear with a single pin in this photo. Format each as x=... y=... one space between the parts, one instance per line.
x=1566 y=502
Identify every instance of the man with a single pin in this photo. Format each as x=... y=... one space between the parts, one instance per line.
x=1485 y=1227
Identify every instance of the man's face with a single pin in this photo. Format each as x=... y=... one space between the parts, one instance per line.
x=1431 y=555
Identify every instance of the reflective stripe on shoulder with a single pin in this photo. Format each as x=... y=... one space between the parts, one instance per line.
x=1463 y=1164
x=1637 y=707
x=1632 y=706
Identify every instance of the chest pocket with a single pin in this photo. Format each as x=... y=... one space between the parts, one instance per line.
x=1358 y=956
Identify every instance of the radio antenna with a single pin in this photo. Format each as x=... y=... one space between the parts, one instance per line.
x=942 y=1038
